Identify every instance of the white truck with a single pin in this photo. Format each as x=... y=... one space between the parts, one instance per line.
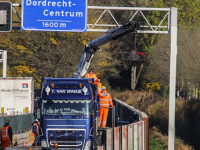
x=16 y=95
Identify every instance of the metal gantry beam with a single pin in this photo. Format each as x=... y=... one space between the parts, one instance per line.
x=91 y=26
x=138 y=10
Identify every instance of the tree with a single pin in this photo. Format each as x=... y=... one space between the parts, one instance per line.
x=188 y=63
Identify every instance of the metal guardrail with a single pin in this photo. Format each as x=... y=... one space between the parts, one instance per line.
x=131 y=129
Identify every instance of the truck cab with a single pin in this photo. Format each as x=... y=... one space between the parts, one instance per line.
x=68 y=112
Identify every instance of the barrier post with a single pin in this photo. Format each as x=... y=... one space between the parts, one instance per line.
x=113 y=117
x=124 y=137
x=146 y=121
x=100 y=147
x=130 y=137
x=136 y=137
x=109 y=139
x=116 y=138
x=141 y=135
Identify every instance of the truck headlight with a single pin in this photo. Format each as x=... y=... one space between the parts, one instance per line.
x=43 y=143
x=88 y=145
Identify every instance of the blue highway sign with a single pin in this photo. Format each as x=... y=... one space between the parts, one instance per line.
x=54 y=15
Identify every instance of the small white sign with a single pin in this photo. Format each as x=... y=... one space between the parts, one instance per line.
x=3 y=18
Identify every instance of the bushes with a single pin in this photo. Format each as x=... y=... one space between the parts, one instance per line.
x=157 y=108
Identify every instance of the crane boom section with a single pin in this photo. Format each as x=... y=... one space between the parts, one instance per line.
x=91 y=47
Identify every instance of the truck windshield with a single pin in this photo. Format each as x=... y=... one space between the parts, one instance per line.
x=67 y=107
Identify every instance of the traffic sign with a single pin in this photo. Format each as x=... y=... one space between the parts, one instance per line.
x=54 y=15
x=5 y=16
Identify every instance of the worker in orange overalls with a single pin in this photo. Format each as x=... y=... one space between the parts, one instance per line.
x=6 y=135
x=97 y=82
x=91 y=75
x=105 y=100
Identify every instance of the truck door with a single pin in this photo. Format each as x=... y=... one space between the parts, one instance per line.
x=37 y=108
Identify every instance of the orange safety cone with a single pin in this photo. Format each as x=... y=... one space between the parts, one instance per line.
x=24 y=144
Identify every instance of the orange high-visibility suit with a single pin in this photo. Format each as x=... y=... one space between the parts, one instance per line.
x=105 y=100
x=99 y=85
x=5 y=137
x=89 y=75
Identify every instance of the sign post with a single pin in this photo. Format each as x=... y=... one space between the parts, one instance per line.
x=51 y=15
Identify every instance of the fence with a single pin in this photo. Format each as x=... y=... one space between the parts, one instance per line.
x=18 y=123
x=131 y=131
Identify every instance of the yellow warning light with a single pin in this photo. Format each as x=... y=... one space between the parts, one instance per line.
x=52 y=85
x=55 y=144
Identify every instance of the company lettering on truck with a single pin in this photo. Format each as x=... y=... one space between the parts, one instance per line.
x=73 y=91
x=13 y=90
x=5 y=90
x=60 y=91
x=66 y=91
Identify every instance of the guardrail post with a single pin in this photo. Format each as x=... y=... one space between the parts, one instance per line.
x=113 y=117
x=146 y=121
x=141 y=135
x=100 y=147
x=124 y=137
x=136 y=137
x=130 y=137
x=116 y=138
x=109 y=139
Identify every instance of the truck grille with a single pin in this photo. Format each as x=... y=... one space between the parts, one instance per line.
x=72 y=138
x=68 y=138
